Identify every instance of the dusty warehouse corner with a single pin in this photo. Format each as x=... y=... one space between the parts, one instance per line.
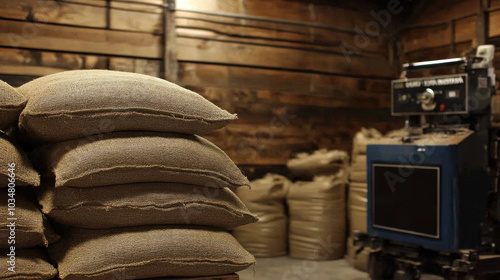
x=249 y=139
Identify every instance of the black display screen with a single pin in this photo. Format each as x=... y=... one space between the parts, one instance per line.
x=406 y=199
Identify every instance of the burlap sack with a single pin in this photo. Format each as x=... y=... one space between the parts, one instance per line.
x=148 y=252
x=87 y=102
x=357 y=170
x=24 y=172
x=362 y=138
x=138 y=157
x=357 y=207
x=11 y=105
x=397 y=133
x=29 y=227
x=266 y=199
x=144 y=204
x=30 y=264
x=320 y=162
x=318 y=218
x=360 y=260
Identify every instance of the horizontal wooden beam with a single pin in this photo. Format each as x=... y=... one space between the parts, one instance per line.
x=199 y=50
x=351 y=99
x=83 y=14
x=313 y=39
x=437 y=36
x=210 y=75
x=283 y=10
x=40 y=63
x=19 y=34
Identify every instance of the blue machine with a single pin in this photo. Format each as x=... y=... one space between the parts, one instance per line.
x=431 y=195
x=429 y=188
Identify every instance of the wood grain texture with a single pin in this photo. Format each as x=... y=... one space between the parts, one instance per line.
x=122 y=16
x=494 y=28
x=222 y=6
x=494 y=4
x=445 y=10
x=269 y=132
x=437 y=36
x=302 y=11
x=50 y=11
x=40 y=63
x=80 y=40
x=437 y=42
x=310 y=38
x=267 y=140
x=136 y=21
x=208 y=51
x=449 y=31
x=289 y=87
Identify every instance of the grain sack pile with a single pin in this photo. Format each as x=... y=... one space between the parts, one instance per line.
x=357 y=201
x=320 y=162
x=136 y=198
x=24 y=234
x=11 y=105
x=266 y=199
x=317 y=217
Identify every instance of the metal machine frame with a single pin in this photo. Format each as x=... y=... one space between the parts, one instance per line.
x=395 y=259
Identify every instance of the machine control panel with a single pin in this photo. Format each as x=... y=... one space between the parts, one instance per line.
x=432 y=95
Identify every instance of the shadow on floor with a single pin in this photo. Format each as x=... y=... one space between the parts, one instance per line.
x=285 y=268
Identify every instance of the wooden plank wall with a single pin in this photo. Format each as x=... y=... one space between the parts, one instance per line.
x=291 y=84
x=493 y=33
x=44 y=37
x=451 y=28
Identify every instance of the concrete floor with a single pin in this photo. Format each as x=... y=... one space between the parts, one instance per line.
x=285 y=268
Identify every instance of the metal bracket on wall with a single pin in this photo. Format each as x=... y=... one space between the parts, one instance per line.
x=171 y=5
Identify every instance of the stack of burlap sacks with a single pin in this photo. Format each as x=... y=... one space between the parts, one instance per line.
x=316 y=204
x=135 y=193
x=24 y=233
x=357 y=196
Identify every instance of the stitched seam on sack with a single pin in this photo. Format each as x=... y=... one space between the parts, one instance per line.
x=22 y=179
x=85 y=113
x=28 y=230
x=209 y=174
x=164 y=207
x=160 y=261
x=28 y=274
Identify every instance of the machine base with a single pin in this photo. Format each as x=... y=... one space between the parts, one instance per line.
x=391 y=260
